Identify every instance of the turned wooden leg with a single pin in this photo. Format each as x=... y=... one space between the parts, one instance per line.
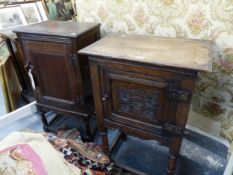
x=87 y=128
x=99 y=100
x=173 y=154
x=124 y=136
x=172 y=163
x=105 y=145
x=45 y=122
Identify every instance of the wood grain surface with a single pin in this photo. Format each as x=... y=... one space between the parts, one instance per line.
x=58 y=28
x=174 y=52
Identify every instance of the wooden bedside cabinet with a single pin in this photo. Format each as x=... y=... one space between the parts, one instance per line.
x=61 y=78
x=143 y=86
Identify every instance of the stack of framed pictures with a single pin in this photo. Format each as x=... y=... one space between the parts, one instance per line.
x=22 y=13
x=14 y=13
x=9 y=82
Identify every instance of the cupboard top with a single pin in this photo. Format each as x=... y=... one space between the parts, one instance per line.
x=172 y=52
x=58 y=28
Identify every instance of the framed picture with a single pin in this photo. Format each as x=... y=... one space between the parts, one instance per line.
x=31 y=13
x=9 y=81
x=59 y=9
x=11 y=17
x=4 y=51
x=10 y=1
x=43 y=13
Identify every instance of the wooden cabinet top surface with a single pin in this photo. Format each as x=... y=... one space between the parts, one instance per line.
x=58 y=28
x=172 y=52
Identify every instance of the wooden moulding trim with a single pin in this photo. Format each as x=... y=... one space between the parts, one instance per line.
x=105 y=62
x=46 y=38
x=49 y=108
x=142 y=134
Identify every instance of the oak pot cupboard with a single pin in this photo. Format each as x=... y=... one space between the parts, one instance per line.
x=59 y=76
x=143 y=86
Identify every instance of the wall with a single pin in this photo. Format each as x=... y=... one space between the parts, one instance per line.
x=202 y=19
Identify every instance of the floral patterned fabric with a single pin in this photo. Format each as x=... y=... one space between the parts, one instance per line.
x=82 y=155
x=21 y=160
x=199 y=19
x=27 y=153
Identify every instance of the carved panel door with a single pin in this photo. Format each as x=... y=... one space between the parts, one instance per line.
x=55 y=77
x=135 y=98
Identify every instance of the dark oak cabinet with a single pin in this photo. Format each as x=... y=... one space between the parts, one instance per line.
x=143 y=86
x=60 y=78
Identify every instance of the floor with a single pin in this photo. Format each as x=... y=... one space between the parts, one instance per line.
x=200 y=155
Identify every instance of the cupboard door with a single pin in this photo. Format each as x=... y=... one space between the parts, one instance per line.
x=135 y=98
x=55 y=76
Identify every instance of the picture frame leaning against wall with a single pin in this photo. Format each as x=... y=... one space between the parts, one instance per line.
x=31 y=12
x=12 y=17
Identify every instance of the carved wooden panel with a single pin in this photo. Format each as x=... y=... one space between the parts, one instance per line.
x=133 y=99
x=138 y=102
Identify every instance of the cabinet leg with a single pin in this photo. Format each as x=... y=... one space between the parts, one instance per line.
x=45 y=122
x=105 y=145
x=173 y=154
x=171 y=163
x=87 y=128
x=123 y=136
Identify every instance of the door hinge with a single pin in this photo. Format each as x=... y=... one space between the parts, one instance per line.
x=173 y=129
x=73 y=59
x=176 y=94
